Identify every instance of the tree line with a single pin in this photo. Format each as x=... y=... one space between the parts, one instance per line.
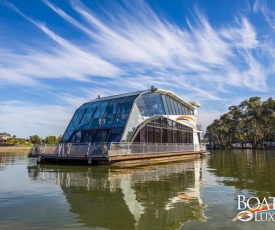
x=35 y=139
x=252 y=121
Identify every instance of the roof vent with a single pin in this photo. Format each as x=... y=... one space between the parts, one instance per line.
x=195 y=103
x=153 y=89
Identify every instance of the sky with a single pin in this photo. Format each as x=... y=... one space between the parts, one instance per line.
x=56 y=55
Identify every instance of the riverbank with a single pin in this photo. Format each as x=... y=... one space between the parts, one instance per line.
x=14 y=148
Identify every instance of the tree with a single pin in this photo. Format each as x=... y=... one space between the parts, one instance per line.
x=58 y=139
x=35 y=139
x=50 y=140
x=252 y=120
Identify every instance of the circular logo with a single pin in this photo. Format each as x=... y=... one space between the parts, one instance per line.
x=245 y=216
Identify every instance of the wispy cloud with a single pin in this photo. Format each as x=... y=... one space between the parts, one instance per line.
x=68 y=61
x=260 y=6
x=138 y=42
x=132 y=47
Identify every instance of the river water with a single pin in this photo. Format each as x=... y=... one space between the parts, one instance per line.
x=193 y=194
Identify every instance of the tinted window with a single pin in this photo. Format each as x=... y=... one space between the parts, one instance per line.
x=165 y=104
x=115 y=135
x=101 y=135
x=172 y=106
x=170 y=111
x=96 y=120
x=111 y=112
x=123 y=111
x=88 y=136
x=88 y=115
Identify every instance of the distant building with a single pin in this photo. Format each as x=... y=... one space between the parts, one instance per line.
x=4 y=137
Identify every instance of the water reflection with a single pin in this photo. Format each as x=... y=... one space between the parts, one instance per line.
x=250 y=170
x=152 y=197
x=7 y=158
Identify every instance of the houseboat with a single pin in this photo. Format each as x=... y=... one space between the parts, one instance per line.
x=147 y=126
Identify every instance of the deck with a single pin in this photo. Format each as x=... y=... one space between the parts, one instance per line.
x=116 y=153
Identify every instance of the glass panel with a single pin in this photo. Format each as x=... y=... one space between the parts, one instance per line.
x=189 y=138
x=165 y=104
x=151 y=134
x=66 y=136
x=123 y=111
x=71 y=126
x=137 y=138
x=79 y=116
x=185 y=111
x=143 y=135
x=179 y=136
x=172 y=105
x=169 y=124
x=174 y=123
x=96 y=120
x=169 y=136
x=163 y=122
x=85 y=105
x=157 y=103
x=101 y=135
x=76 y=137
x=141 y=106
x=144 y=105
x=170 y=111
x=175 y=139
x=157 y=122
x=185 y=137
x=151 y=123
x=150 y=104
x=88 y=136
x=158 y=135
x=176 y=107
x=74 y=120
x=134 y=121
x=164 y=135
x=115 y=135
x=181 y=109
x=111 y=112
x=88 y=115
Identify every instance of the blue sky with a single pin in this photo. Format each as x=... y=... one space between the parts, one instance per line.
x=56 y=55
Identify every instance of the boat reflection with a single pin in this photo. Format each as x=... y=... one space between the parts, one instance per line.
x=151 y=197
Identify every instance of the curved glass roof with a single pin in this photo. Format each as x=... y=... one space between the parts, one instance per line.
x=115 y=118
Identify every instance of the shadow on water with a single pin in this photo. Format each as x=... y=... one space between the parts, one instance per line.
x=151 y=197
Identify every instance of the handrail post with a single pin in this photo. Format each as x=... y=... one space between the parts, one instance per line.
x=127 y=148
x=68 y=148
x=89 y=145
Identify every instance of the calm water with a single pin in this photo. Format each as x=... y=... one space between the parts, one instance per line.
x=196 y=194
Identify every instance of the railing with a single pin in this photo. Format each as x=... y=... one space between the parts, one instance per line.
x=112 y=149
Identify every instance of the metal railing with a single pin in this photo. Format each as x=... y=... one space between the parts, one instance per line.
x=112 y=149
